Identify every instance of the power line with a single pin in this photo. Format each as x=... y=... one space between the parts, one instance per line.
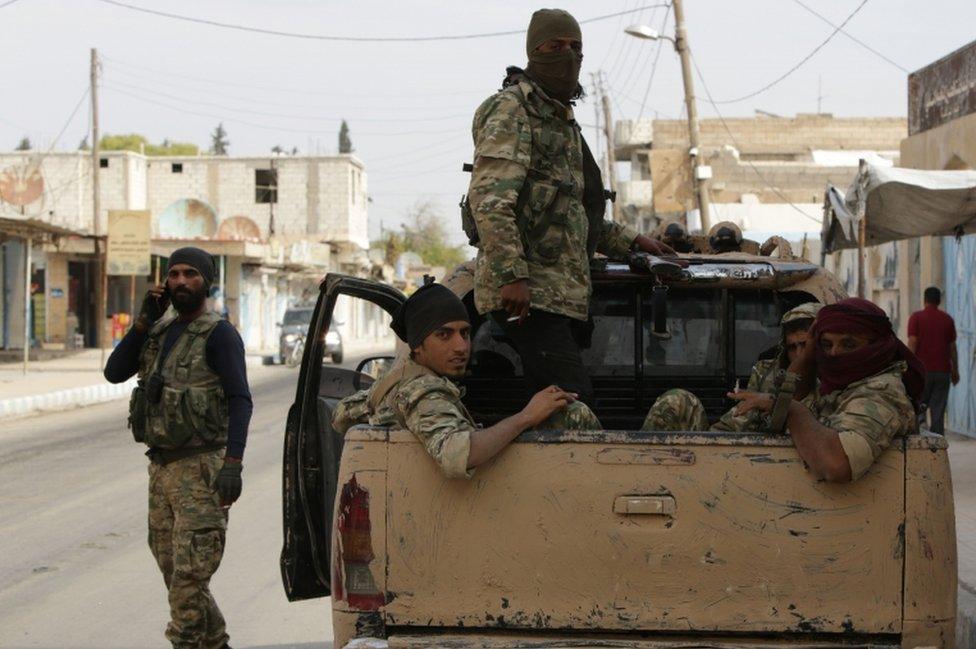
x=354 y=39
x=657 y=56
x=209 y=82
x=259 y=113
x=613 y=41
x=853 y=38
x=269 y=127
x=210 y=91
x=735 y=143
x=798 y=65
x=8 y=3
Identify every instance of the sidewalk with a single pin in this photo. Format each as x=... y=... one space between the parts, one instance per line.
x=64 y=383
x=962 y=459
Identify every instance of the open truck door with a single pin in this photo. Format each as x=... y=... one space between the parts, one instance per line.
x=312 y=448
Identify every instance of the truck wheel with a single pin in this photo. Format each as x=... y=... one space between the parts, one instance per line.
x=337 y=357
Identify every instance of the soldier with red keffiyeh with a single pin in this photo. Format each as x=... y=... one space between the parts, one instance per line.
x=869 y=383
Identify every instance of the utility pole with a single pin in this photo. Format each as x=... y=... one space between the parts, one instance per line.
x=101 y=290
x=681 y=44
x=611 y=156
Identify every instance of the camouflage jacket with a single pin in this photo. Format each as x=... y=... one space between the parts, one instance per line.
x=415 y=398
x=526 y=199
x=867 y=415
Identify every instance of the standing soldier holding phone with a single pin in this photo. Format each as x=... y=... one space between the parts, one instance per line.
x=191 y=408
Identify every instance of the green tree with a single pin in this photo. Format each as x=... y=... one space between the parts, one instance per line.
x=139 y=144
x=219 y=141
x=25 y=144
x=277 y=149
x=345 y=142
x=423 y=232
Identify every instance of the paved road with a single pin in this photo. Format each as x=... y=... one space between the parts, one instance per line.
x=75 y=570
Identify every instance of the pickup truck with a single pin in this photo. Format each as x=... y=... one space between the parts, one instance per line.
x=616 y=538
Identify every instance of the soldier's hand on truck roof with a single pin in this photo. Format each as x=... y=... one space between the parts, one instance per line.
x=655 y=247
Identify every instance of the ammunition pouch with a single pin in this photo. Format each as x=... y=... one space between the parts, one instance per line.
x=137 y=413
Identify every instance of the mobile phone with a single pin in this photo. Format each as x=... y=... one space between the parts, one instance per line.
x=163 y=301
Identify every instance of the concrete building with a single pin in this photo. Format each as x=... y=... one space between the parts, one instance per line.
x=768 y=172
x=275 y=226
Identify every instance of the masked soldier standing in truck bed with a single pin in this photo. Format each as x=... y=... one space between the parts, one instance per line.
x=537 y=200
x=191 y=407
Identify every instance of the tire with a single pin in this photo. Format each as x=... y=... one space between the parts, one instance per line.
x=337 y=357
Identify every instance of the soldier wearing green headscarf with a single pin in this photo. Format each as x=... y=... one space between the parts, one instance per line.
x=536 y=197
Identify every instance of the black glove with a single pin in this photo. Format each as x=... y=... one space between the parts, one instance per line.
x=229 y=483
x=152 y=309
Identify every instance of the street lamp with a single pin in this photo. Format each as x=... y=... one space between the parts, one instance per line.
x=680 y=42
x=647 y=33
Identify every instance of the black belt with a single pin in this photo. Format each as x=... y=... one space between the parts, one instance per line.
x=164 y=456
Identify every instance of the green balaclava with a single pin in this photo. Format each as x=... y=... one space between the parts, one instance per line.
x=556 y=72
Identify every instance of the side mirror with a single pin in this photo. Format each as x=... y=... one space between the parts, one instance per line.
x=373 y=367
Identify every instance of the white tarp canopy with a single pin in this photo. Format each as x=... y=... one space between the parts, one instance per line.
x=897 y=203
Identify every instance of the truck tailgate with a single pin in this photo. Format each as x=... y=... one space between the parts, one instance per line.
x=644 y=531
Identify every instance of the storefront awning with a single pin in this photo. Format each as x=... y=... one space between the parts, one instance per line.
x=32 y=228
x=896 y=203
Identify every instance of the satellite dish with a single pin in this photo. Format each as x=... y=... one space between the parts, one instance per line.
x=21 y=186
x=187 y=218
x=238 y=228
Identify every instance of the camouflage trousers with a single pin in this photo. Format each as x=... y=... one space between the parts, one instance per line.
x=186 y=535
x=676 y=410
x=577 y=416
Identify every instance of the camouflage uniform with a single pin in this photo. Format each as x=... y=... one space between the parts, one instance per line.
x=526 y=198
x=676 y=410
x=186 y=431
x=415 y=398
x=866 y=415
x=187 y=529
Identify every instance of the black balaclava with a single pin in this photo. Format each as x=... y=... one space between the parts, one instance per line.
x=556 y=72
x=431 y=306
x=202 y=261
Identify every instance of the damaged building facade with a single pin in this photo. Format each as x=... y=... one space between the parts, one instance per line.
x=275 y=226
x=768 y=172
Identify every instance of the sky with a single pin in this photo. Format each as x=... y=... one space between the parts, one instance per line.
x=409 y=104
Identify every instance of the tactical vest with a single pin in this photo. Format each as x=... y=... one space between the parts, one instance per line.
x=541 y=194
x=192 y=408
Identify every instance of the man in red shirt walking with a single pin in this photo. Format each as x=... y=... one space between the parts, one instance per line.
x=932 y=336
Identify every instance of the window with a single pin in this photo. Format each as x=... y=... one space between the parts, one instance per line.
x=757 y=327
x=693 y=344
x=103 y=163
x=265 y=185
x=177 y=168
x=611 y=352
x=298 y=317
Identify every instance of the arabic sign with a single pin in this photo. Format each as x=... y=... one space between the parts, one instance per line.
x=128 y=242
x=942 y=91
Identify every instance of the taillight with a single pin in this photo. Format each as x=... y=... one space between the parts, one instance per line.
x=352 y=580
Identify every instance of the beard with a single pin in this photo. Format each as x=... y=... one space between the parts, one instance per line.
x=187 y=301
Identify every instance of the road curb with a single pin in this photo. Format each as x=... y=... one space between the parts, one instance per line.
x=966 y=618
x=63 y=399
